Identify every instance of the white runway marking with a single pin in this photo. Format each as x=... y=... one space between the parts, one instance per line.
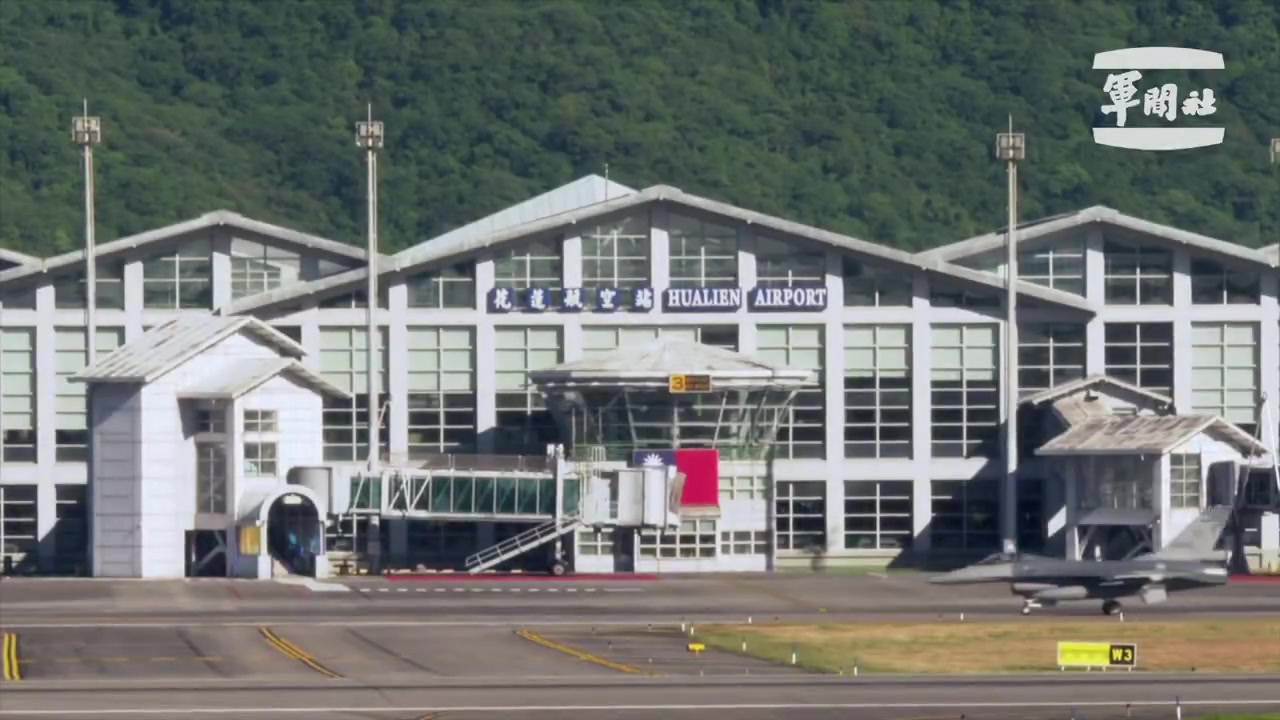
x=514 y=709
x=496 y=590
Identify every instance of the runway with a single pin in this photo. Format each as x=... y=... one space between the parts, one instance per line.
x=593 y=647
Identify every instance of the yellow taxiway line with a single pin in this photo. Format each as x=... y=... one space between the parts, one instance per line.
x=293 y=651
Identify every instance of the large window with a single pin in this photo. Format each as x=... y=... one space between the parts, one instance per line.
x=71 y=530
x=537 y=264
x=1184 y=480
x=355 y=300
x=442 y=396
x=800 y=514
x=596 y=542
x=696 y=538
x=452 y=286
x=523 y=423
x=1141 y=354
x=258 y=267
x=17 y=395
x=867 y=285
x=945 y=293
x=261 y=460
x=964 y=384
x=22 y=297
x=69 y=293
x=744 y=542
x=877 y=391
x=343 y=361
x=801 y=430
x=598 y=341
x=261 y=421
x=1060 y=267
x=1137 y=274
x=71 y=436
x=1213 y=283
x=786 y=264
x=703 y=254
x=181 y=280
x=966 y=515
x=1049 y=354
x=211 y=477
x=18 y=529
x=1224 y=371
x=877 y=514
x=616 y=255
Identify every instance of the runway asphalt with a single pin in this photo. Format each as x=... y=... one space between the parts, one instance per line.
x=538 y=648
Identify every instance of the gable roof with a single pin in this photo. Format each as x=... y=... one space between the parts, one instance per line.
x=17 y=258
x=1097 y=214
x=245 y=375
x=447 y=247
x=1092 y=381
x=217 y=218
x=167 y=346
x=1146 y=435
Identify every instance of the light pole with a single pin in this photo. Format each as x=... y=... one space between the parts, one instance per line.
x=86 y=132
x=369 y=137
x=1275 y=441
x=1011 y=148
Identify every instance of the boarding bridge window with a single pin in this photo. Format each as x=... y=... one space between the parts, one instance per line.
x=449 y=287
x=877 y=391
x=69 y=289
x=442 y=395
x=1141 y=354
x=1224 y=372
x=258 y=267
x=538 y=264
x=1060 y=267
x=71 y=530
x=261 y=460
x=867 y=285
x=788 y=264
x=71 y=434
x=801 y=430
x=523 y=423
x=18 y=527
x=1049 y=354
x=744 y=542
x=616 y=255
x=1214 y=283
x=965 y=390
x=1137 y=274
x=211 y=477
x=966 y=515
x=260 y=421
x=182 y=280
x=1184 y=480
x=877 y=514
x=17 y=395
x=702 y=254
x=595 y=543
x=696 y=538
x=343 y=362
x=800 y=514
x=356 y=300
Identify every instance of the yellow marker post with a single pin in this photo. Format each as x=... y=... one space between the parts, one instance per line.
x=1096 y=654
x=9 y=650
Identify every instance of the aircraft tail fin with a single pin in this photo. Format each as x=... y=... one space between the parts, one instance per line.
x=1199 y=539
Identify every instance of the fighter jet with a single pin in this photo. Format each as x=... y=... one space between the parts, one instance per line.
x=1045 y=581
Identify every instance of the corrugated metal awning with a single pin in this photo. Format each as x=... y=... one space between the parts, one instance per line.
x=1119 y=517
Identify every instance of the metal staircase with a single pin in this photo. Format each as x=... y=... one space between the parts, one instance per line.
x=522 y=543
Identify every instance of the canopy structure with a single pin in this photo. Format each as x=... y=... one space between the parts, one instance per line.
x=671 y=394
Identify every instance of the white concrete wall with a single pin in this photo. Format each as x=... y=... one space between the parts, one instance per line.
x=116 y=501
x=1212 y=451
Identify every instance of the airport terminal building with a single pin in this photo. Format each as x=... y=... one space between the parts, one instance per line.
x=1146 y=353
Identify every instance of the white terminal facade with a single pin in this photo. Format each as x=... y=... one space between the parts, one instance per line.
x=891 y=454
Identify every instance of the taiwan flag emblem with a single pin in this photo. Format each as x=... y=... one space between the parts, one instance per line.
x=701 y=468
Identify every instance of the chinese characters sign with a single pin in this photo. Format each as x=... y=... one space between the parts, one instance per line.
x=1160 y=101
x=643 y=299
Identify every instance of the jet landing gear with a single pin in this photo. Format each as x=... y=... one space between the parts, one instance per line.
x=1110 y=607
x=1030 y=603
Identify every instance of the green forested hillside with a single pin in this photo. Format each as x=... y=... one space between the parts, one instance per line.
x=873 y=117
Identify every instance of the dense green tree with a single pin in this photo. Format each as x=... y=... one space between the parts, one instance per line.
x=872 y=117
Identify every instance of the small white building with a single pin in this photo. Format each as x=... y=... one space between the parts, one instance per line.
x=195 y=427
x=1132 y=474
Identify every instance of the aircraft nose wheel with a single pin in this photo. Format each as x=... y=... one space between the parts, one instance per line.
x=1110 y=607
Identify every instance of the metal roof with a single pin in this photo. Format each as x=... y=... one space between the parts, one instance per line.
x=655 y=363
x=1272 y=253
x=1097 y=214
x=242 y=376
x=1075 y=386
x=217 y=218
x=1146 y=435
x=17 y=258
x=444 y=249
x=1119 y=517
x=167 y=346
